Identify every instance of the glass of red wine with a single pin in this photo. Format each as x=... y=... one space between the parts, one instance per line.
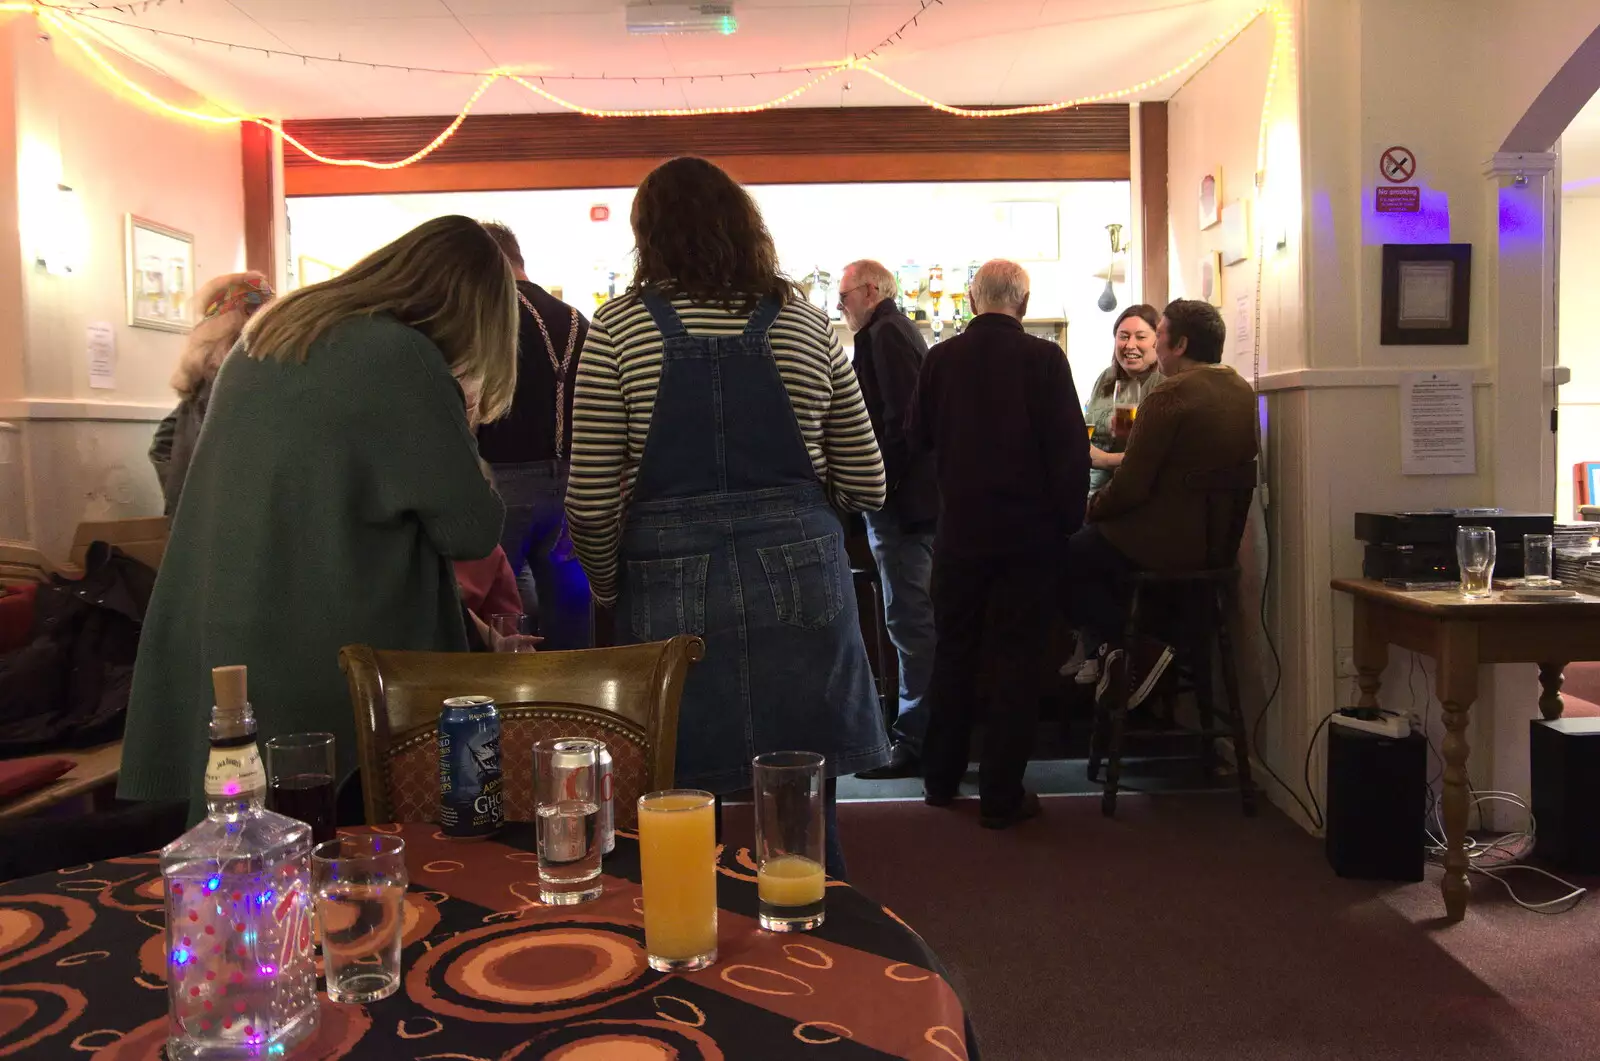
x=300 y=781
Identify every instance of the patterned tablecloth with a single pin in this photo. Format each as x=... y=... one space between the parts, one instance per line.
x=491 y=973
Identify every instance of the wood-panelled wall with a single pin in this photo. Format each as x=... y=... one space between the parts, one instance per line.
x=787 y=145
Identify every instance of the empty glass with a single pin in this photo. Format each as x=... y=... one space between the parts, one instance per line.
x=1475 y=554
x=678 y=872
x=360 y=884
x=790 y=831
x=300 y=781
x=1538 y=557
x=566 y=776
x=512 y=633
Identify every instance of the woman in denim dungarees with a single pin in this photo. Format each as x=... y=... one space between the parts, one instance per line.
x=728 y=532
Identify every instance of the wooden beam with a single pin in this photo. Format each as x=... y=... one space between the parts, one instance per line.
x=751 y=169
x=260 y=234
x=1155 y=207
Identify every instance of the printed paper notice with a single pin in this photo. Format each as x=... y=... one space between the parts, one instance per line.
x=1436 y=430
x=1244 y=337
x=102 y=356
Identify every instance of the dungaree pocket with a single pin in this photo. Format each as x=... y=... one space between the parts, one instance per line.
x=669 y=596
x=804 y=579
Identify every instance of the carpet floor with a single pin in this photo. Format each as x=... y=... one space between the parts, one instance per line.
x=1182 y=929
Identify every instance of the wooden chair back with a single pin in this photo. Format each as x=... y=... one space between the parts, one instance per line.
x=143 y=539
x=1228 y=496
x=627 y=697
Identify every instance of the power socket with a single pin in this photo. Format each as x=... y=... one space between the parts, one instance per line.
x=1344 y=662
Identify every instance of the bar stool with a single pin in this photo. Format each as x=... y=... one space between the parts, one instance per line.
x=1206 y=600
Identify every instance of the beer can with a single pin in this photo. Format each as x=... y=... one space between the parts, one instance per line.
x=470 y=796
x=574 y=778
x=608 y=821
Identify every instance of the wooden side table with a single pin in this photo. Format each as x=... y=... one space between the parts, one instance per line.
x=1459 y=634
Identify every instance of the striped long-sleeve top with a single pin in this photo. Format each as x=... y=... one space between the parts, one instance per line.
x=619 y=373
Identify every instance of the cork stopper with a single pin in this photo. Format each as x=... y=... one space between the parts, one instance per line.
x=231 y=687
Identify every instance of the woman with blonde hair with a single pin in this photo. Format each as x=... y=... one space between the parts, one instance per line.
x=336 y=477
x=230 y=301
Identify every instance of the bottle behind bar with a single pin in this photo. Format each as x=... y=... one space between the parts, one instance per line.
x=241 y=976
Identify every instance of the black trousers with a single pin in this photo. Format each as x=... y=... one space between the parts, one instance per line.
x=1096 y=586
x=1004 y=604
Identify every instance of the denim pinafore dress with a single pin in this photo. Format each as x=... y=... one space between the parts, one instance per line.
x=729 y=536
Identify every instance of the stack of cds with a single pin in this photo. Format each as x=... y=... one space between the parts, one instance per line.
x=1577 y=559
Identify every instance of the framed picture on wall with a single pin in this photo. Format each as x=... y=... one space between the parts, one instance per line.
x=160 y=266
x=1210 y=198
x=1426 y=294
x=1235 y=232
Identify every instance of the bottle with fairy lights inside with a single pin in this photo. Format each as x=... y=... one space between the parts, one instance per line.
x=241 y=975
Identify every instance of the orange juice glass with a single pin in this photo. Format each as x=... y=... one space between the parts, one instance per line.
x=790 y=836
x=678 y=871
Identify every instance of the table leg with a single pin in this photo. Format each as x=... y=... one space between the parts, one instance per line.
x=1550 y=679
x=1457 y=688
x=1371 y=655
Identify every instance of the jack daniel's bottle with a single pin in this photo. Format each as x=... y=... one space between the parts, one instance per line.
x=241 y=977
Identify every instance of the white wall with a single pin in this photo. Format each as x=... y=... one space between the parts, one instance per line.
x=813 y=225
x=1579 y=438
x=1214 y=122
x=1449 y=81
x=80 y=452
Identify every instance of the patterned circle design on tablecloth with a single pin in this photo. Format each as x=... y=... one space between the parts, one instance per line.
x=31 y=1013
x=619 y=1040
x=339 y=1028
x=949 y=1040
x=136 y=892
x=421 y=918
x=522 y=973
x=31 y=925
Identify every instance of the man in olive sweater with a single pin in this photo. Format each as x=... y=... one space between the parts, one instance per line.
x=999 y=410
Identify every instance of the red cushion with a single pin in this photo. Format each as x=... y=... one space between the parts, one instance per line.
x=16 y=615
x=18 y=777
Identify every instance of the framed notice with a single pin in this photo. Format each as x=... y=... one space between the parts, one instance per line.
x=160 y=267
x=1427 y=289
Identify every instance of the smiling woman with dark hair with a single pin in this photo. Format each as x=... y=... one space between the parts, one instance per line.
x=717 y=426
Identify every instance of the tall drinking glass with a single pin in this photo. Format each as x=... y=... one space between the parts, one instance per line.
x=512 y=633
x=360 y=884
x=300 y=781
x=790 y=831
x=678 y=870
x=1538 y=557
x=566 y=774
x=1475 y=554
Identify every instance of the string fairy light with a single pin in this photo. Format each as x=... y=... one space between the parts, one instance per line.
x=77 y=34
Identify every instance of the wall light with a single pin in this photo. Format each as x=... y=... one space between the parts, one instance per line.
x=62 y=236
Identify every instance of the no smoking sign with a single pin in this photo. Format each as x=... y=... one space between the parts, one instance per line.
x=1397 y=165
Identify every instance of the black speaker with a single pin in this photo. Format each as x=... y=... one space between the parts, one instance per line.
x=1377 y=803
x=1565 y=765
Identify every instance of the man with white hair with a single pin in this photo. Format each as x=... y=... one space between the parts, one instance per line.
x=889 y=352
x=998 y=408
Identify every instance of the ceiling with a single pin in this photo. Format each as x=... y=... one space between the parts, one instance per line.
x=976 y=52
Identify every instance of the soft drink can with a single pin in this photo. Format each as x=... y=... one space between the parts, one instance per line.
x=470 y=797
x=608 y=821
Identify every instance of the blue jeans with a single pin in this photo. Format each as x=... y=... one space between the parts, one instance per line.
x=905 y=565
x=537 y=544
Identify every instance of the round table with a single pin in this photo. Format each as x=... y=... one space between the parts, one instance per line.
x=491 y=973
